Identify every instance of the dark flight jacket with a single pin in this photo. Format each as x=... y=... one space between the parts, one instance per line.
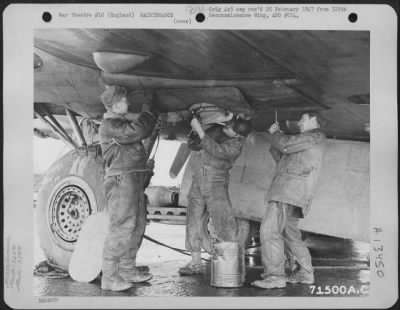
x=220 y=156
x=121 y=142
x=299 y=160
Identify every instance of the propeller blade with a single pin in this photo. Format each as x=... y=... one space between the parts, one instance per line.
x=180 y=159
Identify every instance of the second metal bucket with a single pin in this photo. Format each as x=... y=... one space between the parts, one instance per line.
x=227 y=265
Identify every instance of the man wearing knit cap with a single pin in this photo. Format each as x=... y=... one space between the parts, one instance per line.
x=126 y=172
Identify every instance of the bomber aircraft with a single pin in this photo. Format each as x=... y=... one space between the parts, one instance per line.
x=263 y=75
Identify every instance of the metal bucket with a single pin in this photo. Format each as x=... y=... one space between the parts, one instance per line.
x=227 y=265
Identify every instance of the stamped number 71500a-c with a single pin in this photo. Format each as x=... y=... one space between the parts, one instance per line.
x=339 y=290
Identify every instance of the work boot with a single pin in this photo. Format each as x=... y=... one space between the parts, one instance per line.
x=301 y=276
x=194 y=267
x=143 y=268
x=115 y=283
x=270 y=282
x=131 y=273
x=130 y=263
x=110 y=279
x=135 y=275
x=190 y=269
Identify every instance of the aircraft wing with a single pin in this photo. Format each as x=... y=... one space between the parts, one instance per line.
x=250 y=71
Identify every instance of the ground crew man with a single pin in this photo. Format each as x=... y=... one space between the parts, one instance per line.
x=299 y=159
x=209 y=189
x=121 y=135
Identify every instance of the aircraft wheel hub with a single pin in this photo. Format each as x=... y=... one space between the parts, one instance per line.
x=69 y=210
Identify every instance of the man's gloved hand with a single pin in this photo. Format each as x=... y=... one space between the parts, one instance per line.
x=197 y=127
x=194 y=141
x=274 y=128
x=131 y=116
x=150 y=106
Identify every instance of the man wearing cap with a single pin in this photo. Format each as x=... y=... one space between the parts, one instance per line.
x=209 y=189
x=299 y=159
x=126 y=171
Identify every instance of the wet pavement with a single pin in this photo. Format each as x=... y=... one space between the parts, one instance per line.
x=341 y=269
x=167 y=282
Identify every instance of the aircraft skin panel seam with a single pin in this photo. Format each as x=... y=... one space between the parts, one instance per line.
x=301 y=92
x=252 y=45
x=222 y=77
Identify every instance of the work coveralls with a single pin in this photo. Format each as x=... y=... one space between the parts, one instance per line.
x=125 y=173
x=299 y=159
x=209 y=192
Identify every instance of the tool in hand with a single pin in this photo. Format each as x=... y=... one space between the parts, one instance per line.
x=194 y=115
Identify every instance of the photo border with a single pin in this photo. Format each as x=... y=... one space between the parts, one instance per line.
x=380 y=20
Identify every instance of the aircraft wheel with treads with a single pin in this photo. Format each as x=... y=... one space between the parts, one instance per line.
x=209 y=235
x=71 y=190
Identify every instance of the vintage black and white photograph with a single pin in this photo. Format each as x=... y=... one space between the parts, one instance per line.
x=202 y=162
x=225 y=161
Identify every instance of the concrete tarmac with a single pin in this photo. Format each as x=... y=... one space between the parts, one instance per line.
x=341 y=269
x=168 y=283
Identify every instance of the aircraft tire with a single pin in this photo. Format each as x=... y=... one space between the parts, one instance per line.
x=209 y=237
x=71 y=190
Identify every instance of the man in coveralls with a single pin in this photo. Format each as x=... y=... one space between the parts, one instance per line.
x=299 y=159
x=209 y=189
x=121 y=135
